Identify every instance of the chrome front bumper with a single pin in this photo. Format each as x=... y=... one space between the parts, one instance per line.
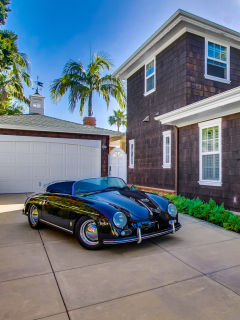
x=140 y=236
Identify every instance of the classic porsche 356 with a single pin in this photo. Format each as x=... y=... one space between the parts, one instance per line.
x=102 y=211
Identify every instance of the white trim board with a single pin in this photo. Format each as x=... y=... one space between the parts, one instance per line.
x=165 y=135
x=204 y=125
x=80 y=142
x=219 y=105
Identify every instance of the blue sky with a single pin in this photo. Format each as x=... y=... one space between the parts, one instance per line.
x=52 y=32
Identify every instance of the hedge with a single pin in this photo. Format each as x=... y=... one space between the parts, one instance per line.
x=207 y=211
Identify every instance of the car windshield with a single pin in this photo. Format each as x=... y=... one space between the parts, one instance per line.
x=97 y=184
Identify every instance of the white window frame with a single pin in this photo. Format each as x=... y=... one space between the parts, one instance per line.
x=131 y=143
x=216 y=41
x=165 y=135
x=204 y=125
x=146 y=93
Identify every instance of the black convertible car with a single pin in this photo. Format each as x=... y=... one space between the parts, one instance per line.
x=102 y=211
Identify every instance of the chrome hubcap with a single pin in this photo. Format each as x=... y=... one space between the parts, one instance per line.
x=89 y=233
x=33 y=215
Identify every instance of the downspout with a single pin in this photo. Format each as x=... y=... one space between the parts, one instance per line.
x=176 y=159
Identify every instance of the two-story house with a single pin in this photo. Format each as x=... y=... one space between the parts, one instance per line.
x=183 y=90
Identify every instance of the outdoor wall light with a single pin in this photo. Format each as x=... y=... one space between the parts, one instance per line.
x=104 y=146
x=146 y=119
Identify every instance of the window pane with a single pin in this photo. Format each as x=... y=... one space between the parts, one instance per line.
x=210 y=167
x=150 y=83
x=215 y=132
x=223 y=53
x=149 y=68
x=216 y=51
x=131 y=154
x=210 y=139
x=204 y=134
x=210 y=133
x=204 y=146
x=210 y=146
x=216 y=69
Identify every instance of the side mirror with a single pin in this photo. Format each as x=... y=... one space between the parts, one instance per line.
x=132 y=187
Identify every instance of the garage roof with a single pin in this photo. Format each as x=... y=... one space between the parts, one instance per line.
x=37 y=122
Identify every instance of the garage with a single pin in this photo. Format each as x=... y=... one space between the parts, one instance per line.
x=36 y=149
x=27 y=163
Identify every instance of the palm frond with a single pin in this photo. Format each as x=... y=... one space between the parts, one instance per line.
x=77 y=91
x=58 y=88
x=73 y=67
x=84 y=99
x=101 y=61
x=115 y=88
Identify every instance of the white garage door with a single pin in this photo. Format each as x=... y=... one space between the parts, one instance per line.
x=27 y=163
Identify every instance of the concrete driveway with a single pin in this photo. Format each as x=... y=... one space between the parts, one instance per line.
x=194 y=274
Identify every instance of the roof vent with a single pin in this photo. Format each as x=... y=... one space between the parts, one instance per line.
x=36 y=104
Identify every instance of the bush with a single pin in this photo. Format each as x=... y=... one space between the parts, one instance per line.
x=207 y=211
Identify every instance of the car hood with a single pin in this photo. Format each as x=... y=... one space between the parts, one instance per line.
x=131 y=201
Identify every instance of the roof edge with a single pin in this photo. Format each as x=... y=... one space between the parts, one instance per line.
x=24 y=128
x=178 y=17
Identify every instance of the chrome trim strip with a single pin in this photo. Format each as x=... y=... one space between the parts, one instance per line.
x=54 y=225
x=146 y=236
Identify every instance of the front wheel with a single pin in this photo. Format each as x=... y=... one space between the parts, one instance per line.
x=33 y=217
x=87 y=233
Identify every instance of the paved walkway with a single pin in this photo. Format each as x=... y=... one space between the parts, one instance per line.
x=194 y=274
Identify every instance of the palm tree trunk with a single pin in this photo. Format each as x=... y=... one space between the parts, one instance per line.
x=90 y=113
x=118 y=125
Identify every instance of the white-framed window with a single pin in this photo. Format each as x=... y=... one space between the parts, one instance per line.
x=150 y=78
x=210 y=153
x=217 y=61
x=167 y=149
x=131 y=153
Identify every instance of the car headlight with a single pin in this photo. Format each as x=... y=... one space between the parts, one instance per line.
x=172 y=210
x=120 y=220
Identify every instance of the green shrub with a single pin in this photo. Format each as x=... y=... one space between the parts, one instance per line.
x=207 y=211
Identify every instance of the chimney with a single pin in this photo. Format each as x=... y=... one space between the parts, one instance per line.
x=36 y=104
x=89 y=121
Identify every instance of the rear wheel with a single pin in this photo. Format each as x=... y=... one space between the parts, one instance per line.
x=87 y=233
x=33 y=217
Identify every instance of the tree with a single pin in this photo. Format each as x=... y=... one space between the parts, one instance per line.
x=11 y=107
x=14 y=66
x=83 y=84
x=119 y=118
x=3 y=10
x=11 y=87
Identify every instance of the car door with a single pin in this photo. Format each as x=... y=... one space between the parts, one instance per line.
x=55 y=209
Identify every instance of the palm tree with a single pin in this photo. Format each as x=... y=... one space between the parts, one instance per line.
x=83 y=84
x=11 y=85
x=119 y=118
